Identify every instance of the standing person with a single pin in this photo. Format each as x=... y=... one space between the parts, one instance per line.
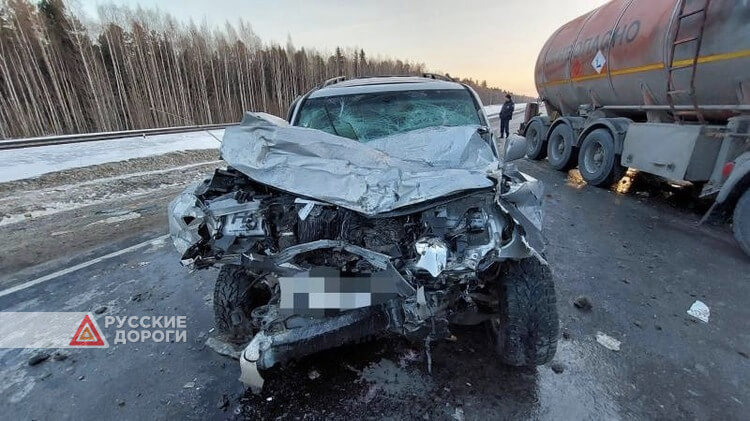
x=506 y=113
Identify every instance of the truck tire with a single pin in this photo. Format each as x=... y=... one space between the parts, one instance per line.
x=741 y=222
x=525 y=332
x=598 y=161
x=235 y=297
x=536 y=145
x=560 y=153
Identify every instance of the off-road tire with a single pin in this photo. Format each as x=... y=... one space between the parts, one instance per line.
x=561 y=153
x=234 y=300
x=741 y=222
x=525 y=333
x=536 y=144
x=608 y=169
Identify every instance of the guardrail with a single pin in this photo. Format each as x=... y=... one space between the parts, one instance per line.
x=90 y=137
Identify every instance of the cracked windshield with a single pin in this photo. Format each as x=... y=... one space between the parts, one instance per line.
x=369 y=116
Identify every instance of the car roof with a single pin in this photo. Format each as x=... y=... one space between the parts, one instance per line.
x=383 y=84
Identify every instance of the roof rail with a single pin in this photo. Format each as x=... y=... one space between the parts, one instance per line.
x=334 y=80
x=438 y=77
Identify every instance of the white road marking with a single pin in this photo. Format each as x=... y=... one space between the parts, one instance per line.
x=79 y=266
x=116 y=219
x=132 y=175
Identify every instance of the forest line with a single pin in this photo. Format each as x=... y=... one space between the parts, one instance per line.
x=143 y=69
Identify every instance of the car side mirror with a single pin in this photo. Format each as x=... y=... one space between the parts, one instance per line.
x=515 y=148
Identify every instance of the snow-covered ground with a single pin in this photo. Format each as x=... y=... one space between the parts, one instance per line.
x=17 y=164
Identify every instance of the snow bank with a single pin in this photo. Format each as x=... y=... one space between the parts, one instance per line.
x=17 y=164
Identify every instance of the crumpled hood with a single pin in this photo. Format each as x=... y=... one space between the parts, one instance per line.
x=374 y=177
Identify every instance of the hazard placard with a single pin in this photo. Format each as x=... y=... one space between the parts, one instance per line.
x=599 y=62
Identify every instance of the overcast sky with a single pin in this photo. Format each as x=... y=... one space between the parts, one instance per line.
x=493 y=40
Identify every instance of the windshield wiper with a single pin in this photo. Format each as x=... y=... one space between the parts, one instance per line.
x=330 y=120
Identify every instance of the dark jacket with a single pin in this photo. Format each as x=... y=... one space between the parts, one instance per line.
x=506 y=113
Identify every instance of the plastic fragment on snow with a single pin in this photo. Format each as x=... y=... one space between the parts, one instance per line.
x=608 y=341
x=699 y=310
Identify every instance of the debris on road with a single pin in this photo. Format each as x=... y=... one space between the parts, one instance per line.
x=189 y=385
x=313 y=374
x=557 y=367
x=608 y=341
x=458 y=414
x=100 y=310
x=38 y=358
x=60 y=356
x=371 y=392
x=223 y=403
x=582 y=303
x=224 y=348
x=699 y=310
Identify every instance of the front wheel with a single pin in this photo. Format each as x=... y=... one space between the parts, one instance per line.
x=236 y=293
x=741 y=222
x=525 y=332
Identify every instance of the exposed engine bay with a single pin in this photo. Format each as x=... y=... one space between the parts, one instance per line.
x=323 y=274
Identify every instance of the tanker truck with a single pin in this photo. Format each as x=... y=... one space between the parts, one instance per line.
x=659 y=86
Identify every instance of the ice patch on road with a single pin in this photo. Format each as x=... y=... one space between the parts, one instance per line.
x=17 y=382
x=700 y=311
x=608 y=341
x=387 y=376
x=86 y=297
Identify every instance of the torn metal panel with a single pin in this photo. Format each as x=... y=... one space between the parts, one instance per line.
x=379 y=176
x=185 y=217
x=433 y=255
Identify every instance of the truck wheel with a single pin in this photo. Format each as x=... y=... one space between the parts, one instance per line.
x=598 y=162
x=236 y=294
x=741 y=222
x=560 y=148
x=525 y=333
x=536 y=146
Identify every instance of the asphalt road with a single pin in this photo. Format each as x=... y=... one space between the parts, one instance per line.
x=641 y=261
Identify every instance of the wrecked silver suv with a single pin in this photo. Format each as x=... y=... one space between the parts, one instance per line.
x=380 y=207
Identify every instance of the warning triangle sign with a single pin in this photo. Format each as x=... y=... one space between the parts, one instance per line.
x=87 y=334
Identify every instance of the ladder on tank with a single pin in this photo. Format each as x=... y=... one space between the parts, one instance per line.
x=673 y=65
